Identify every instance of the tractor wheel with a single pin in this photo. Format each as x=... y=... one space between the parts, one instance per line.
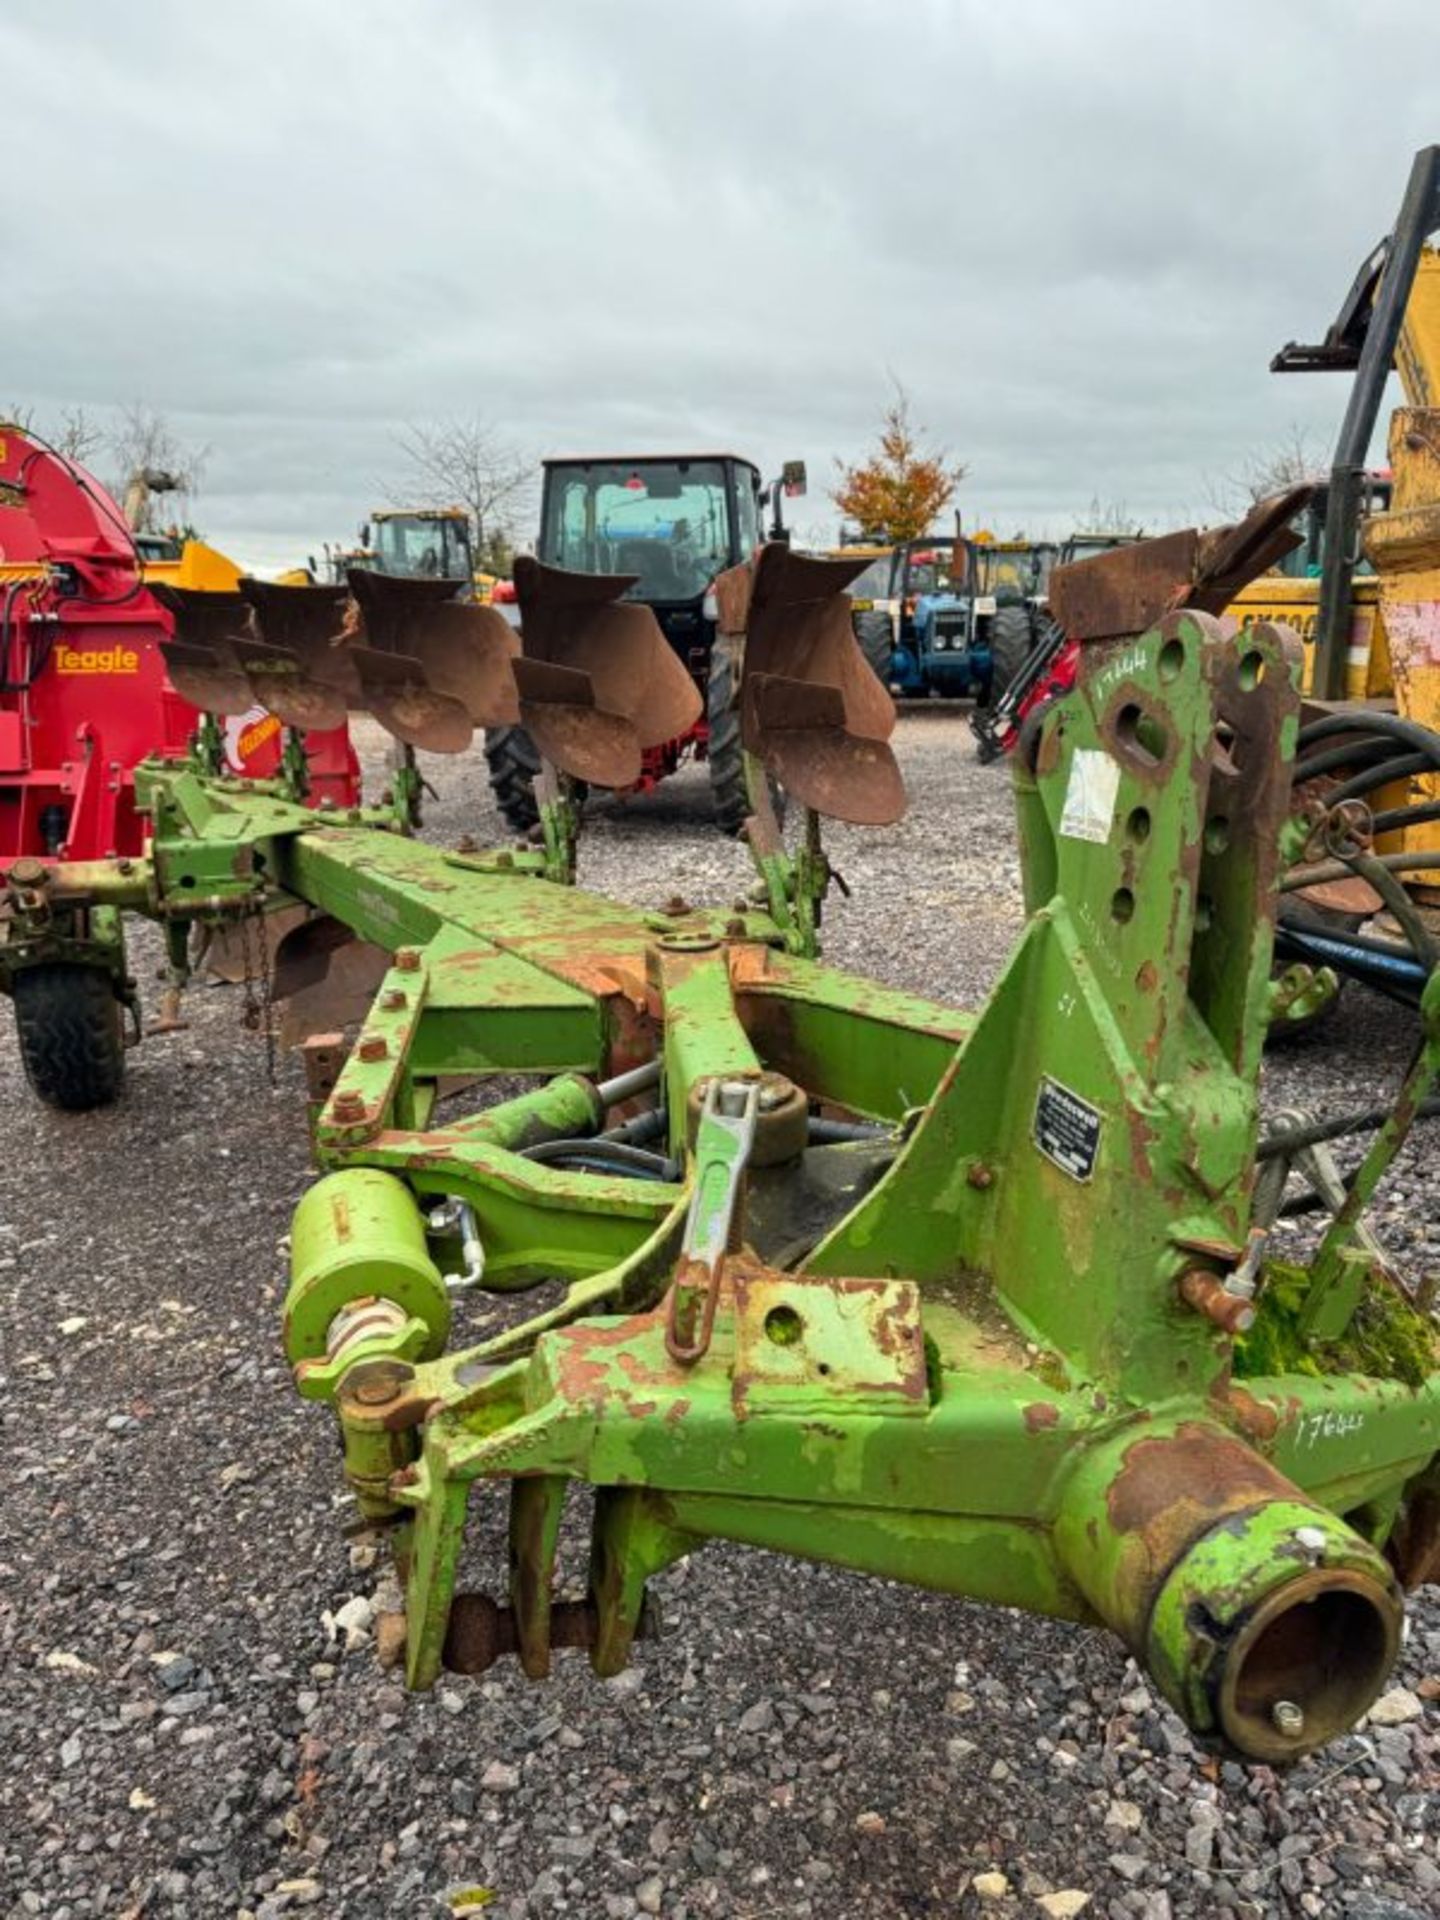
x=727 y=759
x=1012 y=635
x=71 y=1040
x=513 y=763
x=725 y=751
x=876 y=640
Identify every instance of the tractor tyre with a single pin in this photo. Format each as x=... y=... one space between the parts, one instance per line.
x=514 y=764
x=726 y=751
x=727 y=758
x=72 y=1043
x=876 y=639
x=1012 y=635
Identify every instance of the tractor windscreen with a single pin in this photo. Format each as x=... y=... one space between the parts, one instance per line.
x=415 y=546
x=666 y=521
x=1015 y=573
x=874 y=582
x=934 y=569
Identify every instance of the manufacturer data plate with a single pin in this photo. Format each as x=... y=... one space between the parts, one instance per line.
x=1067 y=1129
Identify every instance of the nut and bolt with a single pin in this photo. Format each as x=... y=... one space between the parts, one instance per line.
x=407 y=959
x=736 y=928
x=979 y=1176
x=465 y=844
x=1207 y=1293
x=775 y=1091
x=1288 y=1719
x=676 y=905
x=378 y=1391
x=505 y=859
x=373 y=1047
x=394 y=1000
x=348 y=1107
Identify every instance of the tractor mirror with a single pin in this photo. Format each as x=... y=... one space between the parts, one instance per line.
x=363 y=533
x=792 y=479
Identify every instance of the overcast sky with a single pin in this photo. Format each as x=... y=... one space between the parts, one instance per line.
x=1075 y=229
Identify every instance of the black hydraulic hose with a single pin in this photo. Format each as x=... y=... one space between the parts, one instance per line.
x=1369 y=778
x=634 y=1133
x=1394 y=818
x=1333 y=758
x=1375 y=871
x=1364 y=720
x=1338 y=869
x=608 y=1156
x=1293 y=1139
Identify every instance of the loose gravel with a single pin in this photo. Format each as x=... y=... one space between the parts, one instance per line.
x=192 y=1718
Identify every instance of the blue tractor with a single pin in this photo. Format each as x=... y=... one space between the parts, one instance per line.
x=939 y=618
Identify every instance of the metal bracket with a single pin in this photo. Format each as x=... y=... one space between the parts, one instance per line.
x=722 y=1152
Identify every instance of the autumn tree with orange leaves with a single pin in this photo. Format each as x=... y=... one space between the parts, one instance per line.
x=897 y=492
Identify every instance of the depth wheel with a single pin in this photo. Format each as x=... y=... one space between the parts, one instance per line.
x=72 y=1043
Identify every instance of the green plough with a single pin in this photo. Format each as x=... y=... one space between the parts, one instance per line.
x=978 y=1301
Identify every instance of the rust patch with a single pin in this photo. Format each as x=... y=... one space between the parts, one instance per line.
x=1041 y=1414
x=1197 y=1470
x=1257 y=1419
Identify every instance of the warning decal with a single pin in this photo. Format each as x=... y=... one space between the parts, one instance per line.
x=1090 y=796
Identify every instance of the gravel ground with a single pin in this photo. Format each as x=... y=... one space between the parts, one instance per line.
x=188 y=1733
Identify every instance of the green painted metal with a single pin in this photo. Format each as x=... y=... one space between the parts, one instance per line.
x=962 y=1353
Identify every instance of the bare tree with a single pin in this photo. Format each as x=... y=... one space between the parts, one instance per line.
x=466 y=463
x=1290 y=462
x=78 y=437
x=150 y=460
x=1109 y=516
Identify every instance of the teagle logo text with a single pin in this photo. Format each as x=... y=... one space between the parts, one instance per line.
x=96 y=659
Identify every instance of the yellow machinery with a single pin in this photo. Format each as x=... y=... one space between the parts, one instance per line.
x=1372 y=609
x=1397 y=654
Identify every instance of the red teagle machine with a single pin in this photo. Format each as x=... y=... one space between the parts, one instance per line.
x=84 y=695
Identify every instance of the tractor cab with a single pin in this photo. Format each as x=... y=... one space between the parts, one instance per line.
x=675 y=522
x=1012 y=573
x=420 y=543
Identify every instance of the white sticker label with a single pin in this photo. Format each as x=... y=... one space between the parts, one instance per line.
x=1090 y=797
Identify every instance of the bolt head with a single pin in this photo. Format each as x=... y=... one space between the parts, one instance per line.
x=407 y=959
x=373 y=1047
x=1288 y=1719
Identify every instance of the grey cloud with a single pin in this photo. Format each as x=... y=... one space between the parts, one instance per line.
x=1077 y=232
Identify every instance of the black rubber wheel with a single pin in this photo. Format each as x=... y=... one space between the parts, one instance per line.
x=876 y=638
x=1012 y=635
x=72 y=1045
x=727 y=760
x=513 y=762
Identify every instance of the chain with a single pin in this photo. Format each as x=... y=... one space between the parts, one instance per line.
x=257 y=1015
